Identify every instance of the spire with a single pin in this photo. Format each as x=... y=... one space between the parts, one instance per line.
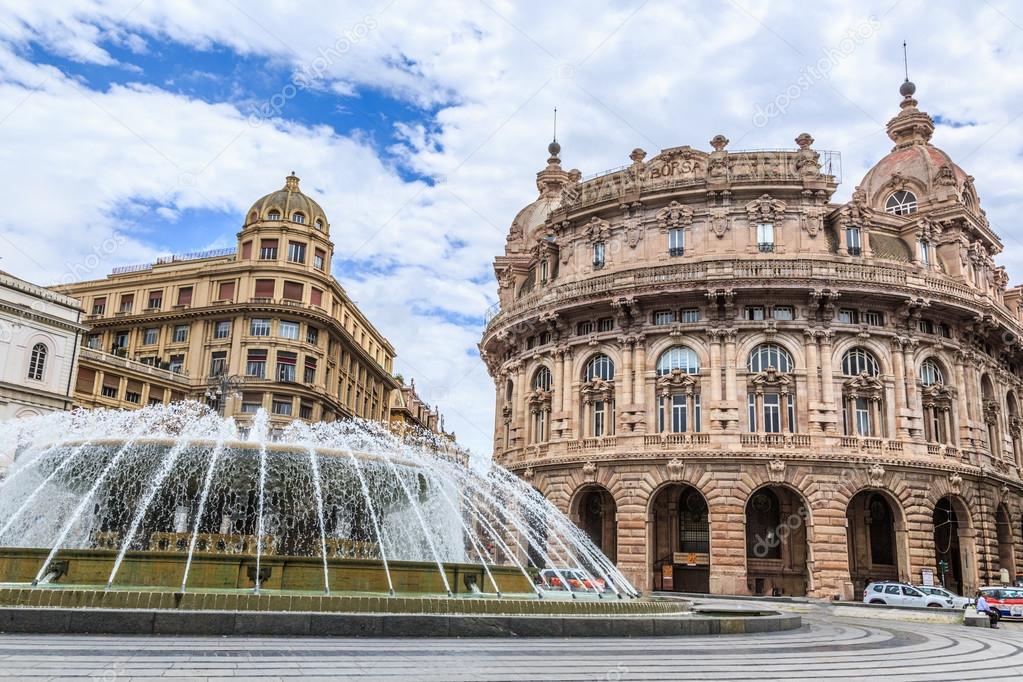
x=554 y=148
x=911 y=126
x=291 y=182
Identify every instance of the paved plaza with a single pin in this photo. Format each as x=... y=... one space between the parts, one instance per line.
x=825 y=649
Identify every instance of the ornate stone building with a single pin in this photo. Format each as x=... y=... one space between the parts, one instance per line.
x=267 y=315
x=736 y=385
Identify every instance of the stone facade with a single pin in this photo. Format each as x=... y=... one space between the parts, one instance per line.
x=737 y=385
x=268 y=314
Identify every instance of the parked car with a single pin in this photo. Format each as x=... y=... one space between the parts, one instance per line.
x=577 y=580
x=893 y=593
x=939 y=591
x=1008 y=601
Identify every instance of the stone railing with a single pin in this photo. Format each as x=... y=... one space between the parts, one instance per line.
x=111 y=360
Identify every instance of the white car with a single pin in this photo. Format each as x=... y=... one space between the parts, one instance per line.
x=892 y=593
x=938 y=591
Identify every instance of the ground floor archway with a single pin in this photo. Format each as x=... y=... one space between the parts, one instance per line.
x=951 y=520
x=1006 y=550
x=875 y=535
x=679 y=540
x=776 y=542
x=596 y=513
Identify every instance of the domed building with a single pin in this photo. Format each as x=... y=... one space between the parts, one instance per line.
x=263 y=324
x=736 y=385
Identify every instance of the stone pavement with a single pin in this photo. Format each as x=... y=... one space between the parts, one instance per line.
x=826 y=648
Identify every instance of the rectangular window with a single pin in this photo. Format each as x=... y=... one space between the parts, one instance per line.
x=218 y=363
x=606 y=324
x=598 y=255
x=95 y=341
x=545 y=337
x=765 y=236
x=259 y=326
x=316 y=296
x=926 y=326
x=133 y=397
x=293 y=291
x=177 y=363
x=944 y=331
x=150 y=336
x=664 y=317
x=287 y=330
x=925 y=253
x=544 y=270
x=251 y=402
x=309 y=375
x=782 y=312
x=599 y=415
x=312 y=335
x=584 y=328
x=99 y=305
x=676 y=241
x=268 y=249
x=109 y=391
x=120 y=340
x=225 y=291
x=222 y=329
x=150 y=360
x=772 y=413
x=679 y=414
x=852 y=241
x=282 y=405
x=847 y=315
x=155 y=300
x=181 y=333
x=874 y=318
x=264 y=288
x=691 y=315
x=255 y=364
x=319 y=258
x=305 y=411
x=862 y=417
x=754 y=312
x=127 y=302
x=185 y=296
x=286 y=366
x=296 y=252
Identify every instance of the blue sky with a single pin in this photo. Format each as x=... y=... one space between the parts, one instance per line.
x=135 y=129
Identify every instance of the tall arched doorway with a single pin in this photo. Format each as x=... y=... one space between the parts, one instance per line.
x=949 y=522
x=874 y=529
x=596 y=513
x=680 y=540
x=776 y=547
x=1006 y=551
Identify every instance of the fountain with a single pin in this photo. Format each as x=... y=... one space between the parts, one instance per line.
x=175 y=507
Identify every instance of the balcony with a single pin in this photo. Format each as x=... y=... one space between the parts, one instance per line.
x=774 y=440
x=868 y=444
x=765 y=247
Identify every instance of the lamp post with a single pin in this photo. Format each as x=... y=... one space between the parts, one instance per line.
x=222 y=387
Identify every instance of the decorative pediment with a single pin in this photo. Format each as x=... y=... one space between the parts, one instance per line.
x=506 y=413
x=937 y=395
x=771 y=379
x=765 y=210
x=990 y=410
x=864 y=386
x=677 y=381
x=597 y=230
x=1015 y=425
x=674 y=215
x=539 y=400
x=597 y=389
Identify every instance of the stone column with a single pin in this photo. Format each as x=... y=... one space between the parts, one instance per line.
x=566 y=393
x=521 y=417
x=638 y=386
x=901 y=428
x=715 y=367
x=812 y=378
x=625 y=346
x=827 y=375
x=963 y=399
x=911 y=398
x=559 y=380
x=730 y=367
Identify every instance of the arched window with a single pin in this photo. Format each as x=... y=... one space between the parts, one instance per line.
x=37 y=362
x=678 y=357
x=600 y=367
x=930 y=373
x=770 y=397
x=769 y=355
x=857 y=361
x=273 y=215
x=542 y=380
x=298 y=217
x=902 y=202
x=319 y=224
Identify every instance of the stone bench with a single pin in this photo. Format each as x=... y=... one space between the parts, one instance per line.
x=976 y=620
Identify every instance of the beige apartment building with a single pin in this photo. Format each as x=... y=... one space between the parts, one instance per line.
x=264 y=324
x=735 y=384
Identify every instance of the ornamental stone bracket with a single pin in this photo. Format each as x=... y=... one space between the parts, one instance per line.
x=528 y=474
x=955 y=483
x=776 y=470
x=675 y=467
x=590 y=472
x=875 y=475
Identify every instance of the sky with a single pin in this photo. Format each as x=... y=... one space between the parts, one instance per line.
x=133 y=129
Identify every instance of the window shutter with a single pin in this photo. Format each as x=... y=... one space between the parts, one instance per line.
x=185 y=296
x=247 y=250
x=316 y=296
x=86 y=380
x=226 y=292
x=112 y=381
x=264 y=288
x=134 y=386
x=293 y=291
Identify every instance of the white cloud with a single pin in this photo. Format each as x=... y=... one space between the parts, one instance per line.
x=622 y=75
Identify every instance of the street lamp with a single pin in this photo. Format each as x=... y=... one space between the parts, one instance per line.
x=222 y=387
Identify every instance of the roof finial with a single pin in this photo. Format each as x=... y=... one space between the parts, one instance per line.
x=554 y=148
x=907 y=88
x=291 y=182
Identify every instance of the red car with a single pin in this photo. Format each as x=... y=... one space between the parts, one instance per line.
x=1008 y=601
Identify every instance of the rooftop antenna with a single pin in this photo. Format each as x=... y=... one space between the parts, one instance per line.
x=905 y=59
x=555 y=124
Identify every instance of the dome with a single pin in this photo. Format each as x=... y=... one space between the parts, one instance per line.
x=530 y=220
x=288 y=201
x=914 y=165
